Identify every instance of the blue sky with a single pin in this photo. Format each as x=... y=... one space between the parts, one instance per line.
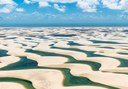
x=63 y=12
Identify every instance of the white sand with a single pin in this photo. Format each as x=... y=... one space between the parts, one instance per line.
x=11 y=85
x=8 y=60
x=109 y=79
x=46 y=48
x=46 y=79
x=83 y=68
x=106 y=63
x=117 y=70
x=116 y=55
x=46 y=60
x=53 y=79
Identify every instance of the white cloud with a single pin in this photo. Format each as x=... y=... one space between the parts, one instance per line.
x=85 y=5
x=19 y=9
x=116 y=4
x=7 y=2
x=5 y=10
x=8 y=6
x=60 y=8
x=56 y=1
x=124 y=4
x=27 y=1
x=62 y=1
x=43 y=4
x=88 y=5
x=111 y=4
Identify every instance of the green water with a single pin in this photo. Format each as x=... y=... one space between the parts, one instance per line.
x=107 y=42
x=43 y=37
x=69 y=80
x=3 y=53
x=89 y=53
x=123 y=53
x=107 y=47
x=24 y=63
x=72 y=43
x=27 y=84
x=123 y=62
x=11 y=38
x=63 y=35
x=94 y=65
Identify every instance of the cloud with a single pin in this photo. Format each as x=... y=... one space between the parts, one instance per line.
x=88 y=5
x=56 y=1
x=111 y=4
x=8 y=6
x=116 y=4
x=5 y=2
x=62 y=1
x=7 y=9
x=43 y=4
x=124 y=4
x=19 y=9
x=27 y=1
x=59 y=8
x=85 y=5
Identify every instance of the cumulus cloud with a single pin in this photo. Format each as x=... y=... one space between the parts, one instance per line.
x=19 y=9
x=55 y=1
x=124 y=4
x=116 y=4
x=27 y=1
x=43 y=4
x=8 y=6
x=88 y=5
x=5 y=10
x=62 y=1
x=111 y=4
x=85 y=5
x=7 y=2
x=60 y=8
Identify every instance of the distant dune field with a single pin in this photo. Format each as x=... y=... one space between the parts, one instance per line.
x=64 y=58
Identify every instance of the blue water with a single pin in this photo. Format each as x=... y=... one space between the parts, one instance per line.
x=66 y=25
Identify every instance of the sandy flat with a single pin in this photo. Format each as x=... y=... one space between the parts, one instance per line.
x=106 y=62
x=76 y=55
x=109 y=42
x=46 y=79
x=8 y=60
x=11 y=85
x=114 y=79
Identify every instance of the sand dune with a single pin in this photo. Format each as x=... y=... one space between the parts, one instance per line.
x=76 y=55
x=90 y=47
x=4 y=61
x=46 y=79
x=106 y=63
x=10 y=85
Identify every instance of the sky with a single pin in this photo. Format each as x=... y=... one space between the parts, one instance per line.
x=63 y=12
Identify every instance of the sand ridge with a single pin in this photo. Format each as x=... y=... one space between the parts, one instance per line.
x=107 y=44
